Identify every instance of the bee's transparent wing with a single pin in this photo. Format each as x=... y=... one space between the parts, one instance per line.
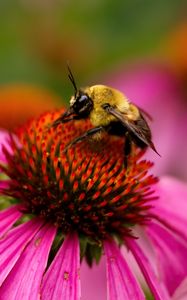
x=140 y=129
x=145 y=113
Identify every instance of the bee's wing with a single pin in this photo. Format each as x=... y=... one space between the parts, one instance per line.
x=140 y=129
x=144 y=113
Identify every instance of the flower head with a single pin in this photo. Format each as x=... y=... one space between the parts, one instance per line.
x=85 y=197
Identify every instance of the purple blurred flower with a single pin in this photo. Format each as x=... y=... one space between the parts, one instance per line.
x=157 y=90
x=88 y=200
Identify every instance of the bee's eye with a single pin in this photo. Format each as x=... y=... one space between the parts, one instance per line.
x=83 y=104
x=82 y=101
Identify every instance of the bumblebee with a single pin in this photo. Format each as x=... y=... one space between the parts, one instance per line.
x=109 y=111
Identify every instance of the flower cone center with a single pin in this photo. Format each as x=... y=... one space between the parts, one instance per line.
x=87 y=189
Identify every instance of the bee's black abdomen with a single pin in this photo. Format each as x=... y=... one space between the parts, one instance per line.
x=116 y=128
x=140 y=144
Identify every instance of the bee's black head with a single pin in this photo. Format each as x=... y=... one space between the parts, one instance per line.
x=81 y=104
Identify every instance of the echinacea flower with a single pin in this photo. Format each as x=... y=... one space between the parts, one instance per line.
x=65 y=208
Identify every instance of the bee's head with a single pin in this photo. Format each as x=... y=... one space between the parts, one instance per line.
x=81 y=104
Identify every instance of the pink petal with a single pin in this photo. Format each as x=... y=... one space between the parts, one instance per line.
x=120 y=280
x=8 y=217
x=181 y=291
x=97 y=275
x=13 y=244
x=158 y=290
x=171 y=256
x=178 y=225
x=4 y=142
x=25 y=278
x=172 y=196
x=61 y=281
x=4 y=184
x=172 y=205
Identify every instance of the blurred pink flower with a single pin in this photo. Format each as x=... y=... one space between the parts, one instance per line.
x=86 y=197
x=155 y=89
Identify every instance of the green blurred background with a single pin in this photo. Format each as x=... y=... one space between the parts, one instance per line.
x=37 y=37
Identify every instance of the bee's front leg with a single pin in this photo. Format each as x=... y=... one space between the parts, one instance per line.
x=84 y=136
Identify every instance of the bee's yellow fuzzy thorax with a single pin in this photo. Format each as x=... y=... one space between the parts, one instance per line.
x=101 y=94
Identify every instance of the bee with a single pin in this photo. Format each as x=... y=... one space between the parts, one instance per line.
x=109 y=111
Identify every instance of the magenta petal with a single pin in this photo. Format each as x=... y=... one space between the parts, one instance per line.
x=3 y=137
x=171 y=255
x=5 y=142
x=178 y=224
x=121 y=282
x=96 y=274
x=172 y=205
x=13 y=244
x=25 y=278
x=4 y=184
x=8 y=217
x=181 y=291
x=172 y=196
x=61 y=281
x=158 y=290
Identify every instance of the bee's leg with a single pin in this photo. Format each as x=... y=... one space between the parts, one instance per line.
x=127 y=149
x=61 y=120
x=84 y=136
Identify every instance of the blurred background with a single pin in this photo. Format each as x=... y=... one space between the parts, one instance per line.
x=139 y=47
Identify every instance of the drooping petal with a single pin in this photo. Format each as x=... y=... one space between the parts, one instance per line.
x=8 y=217
x=181 y=291
x=172 y=205
x=62 y=281
x=96 y=274
x=172 y=196
x=4 y=184
x=3 y=137
x=121 y=282
x=13 y=244
x=25 y=278
x=171 y=256
x=4 y=142
x=178 y=224
x=158 y=290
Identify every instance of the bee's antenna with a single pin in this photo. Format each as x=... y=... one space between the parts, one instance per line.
x=71 y=78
